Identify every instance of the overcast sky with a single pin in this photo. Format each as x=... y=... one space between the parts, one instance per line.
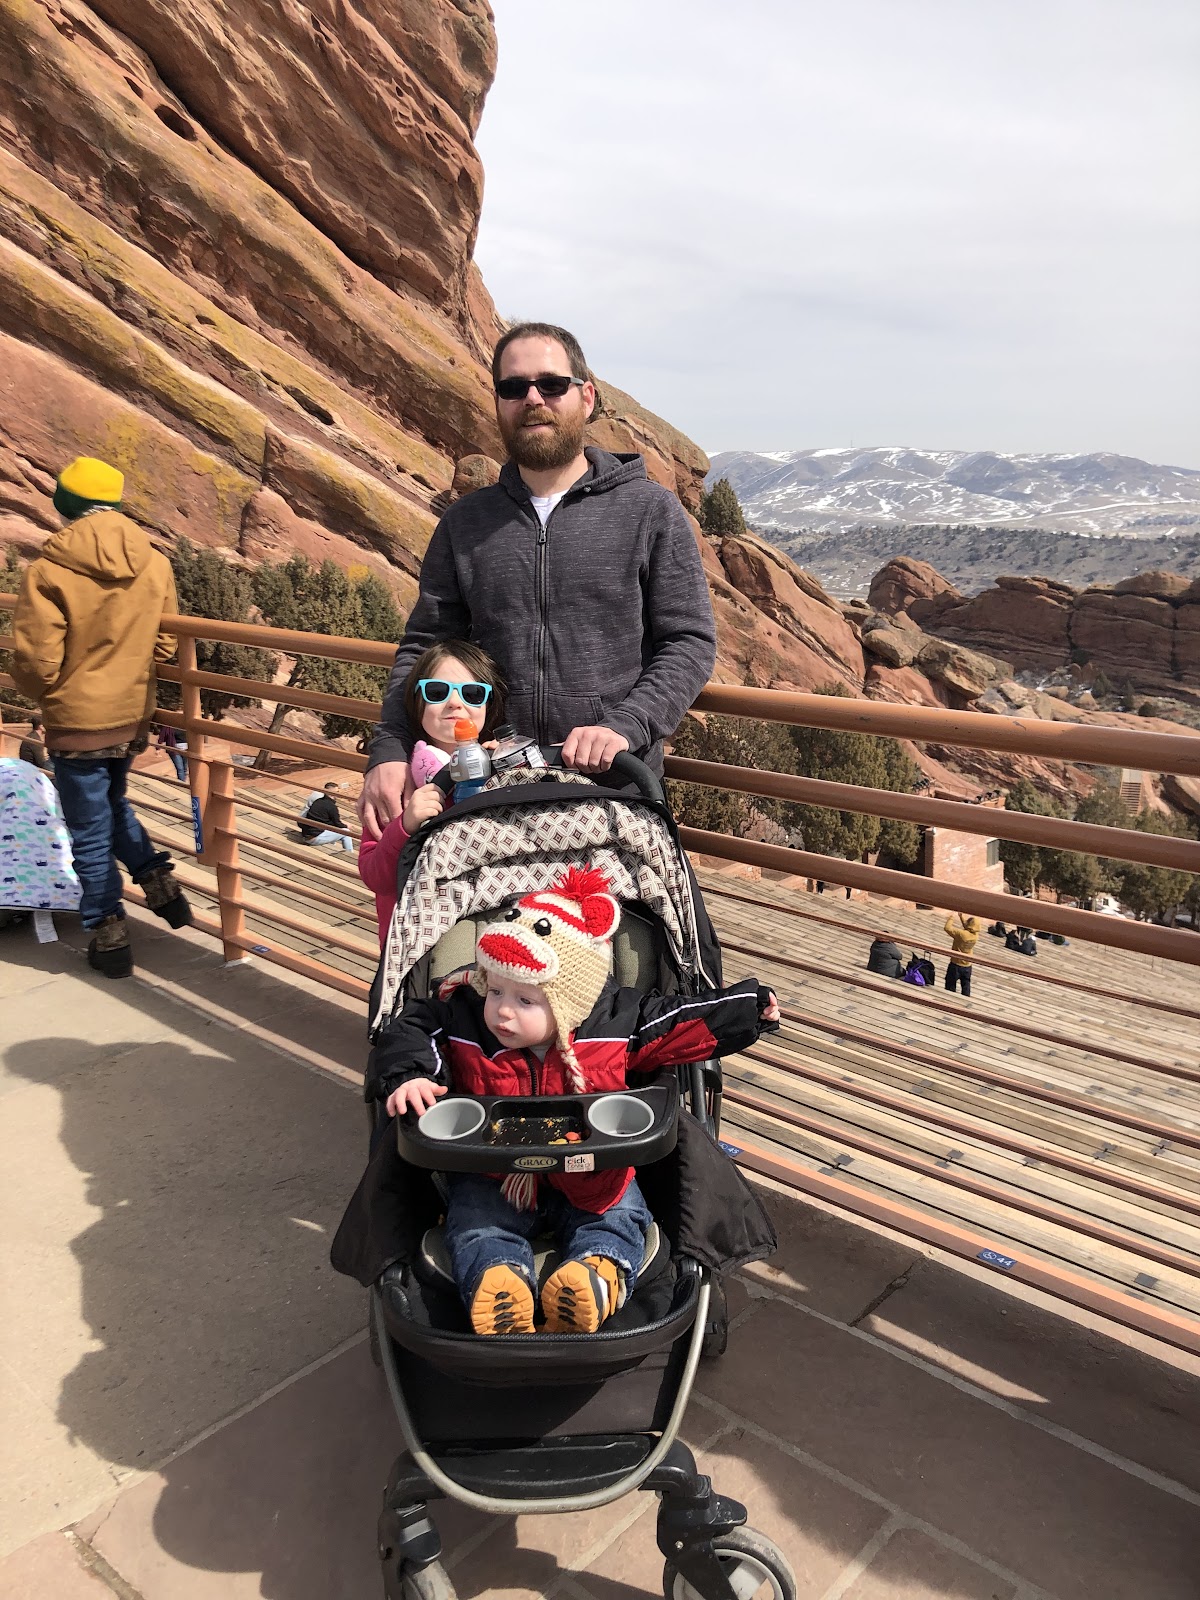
x=956 y=224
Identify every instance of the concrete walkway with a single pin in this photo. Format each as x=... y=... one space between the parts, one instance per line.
x=190 y=1409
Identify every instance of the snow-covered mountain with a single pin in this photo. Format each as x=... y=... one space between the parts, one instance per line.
x=838 y=488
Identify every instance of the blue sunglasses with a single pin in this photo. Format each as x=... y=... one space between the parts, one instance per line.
x=436 y=691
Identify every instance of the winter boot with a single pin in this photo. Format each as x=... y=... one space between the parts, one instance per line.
x=582 y=1294
x=503 y=1303
x=109 y=951
x=164 y=896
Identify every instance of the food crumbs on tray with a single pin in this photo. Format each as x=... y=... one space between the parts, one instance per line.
x=517 y=1130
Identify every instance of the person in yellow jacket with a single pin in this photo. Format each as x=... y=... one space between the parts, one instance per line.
x=964 y=935
x=87 y=632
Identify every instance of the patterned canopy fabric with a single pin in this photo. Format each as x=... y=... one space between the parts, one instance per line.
x=473 y=864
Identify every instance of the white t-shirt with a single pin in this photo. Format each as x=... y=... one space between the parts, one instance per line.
x=544 y=504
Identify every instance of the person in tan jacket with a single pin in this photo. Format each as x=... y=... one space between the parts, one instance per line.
x=87 y=632
x=964 y=936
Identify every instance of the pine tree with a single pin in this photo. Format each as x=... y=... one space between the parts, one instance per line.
x=1072 y=875
x=297 y=595
x=11 y=574
x=734 y=742
x=379 y=618
x=869 y=761
x=1023 y=863
x=1155 y=891
x=720 y=509
x=1105 y=807
x=208 y=586
x=878 y=763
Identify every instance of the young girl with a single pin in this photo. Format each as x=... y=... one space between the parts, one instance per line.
x=451 y=682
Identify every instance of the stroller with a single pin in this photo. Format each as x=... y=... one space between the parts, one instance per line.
x=513 y=1424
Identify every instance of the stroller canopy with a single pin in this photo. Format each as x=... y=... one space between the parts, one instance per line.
x=514 y=837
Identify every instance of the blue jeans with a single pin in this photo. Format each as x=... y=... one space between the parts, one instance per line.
x=180 y=765
x=330 y=837
x=103 y=831
x=483 y=1230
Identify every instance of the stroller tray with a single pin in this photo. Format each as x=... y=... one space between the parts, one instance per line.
x=536 y=1133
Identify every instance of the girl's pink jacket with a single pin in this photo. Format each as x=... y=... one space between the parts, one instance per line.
x=377 y=862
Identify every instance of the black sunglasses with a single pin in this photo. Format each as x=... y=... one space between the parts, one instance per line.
x=436 y=690
x=550 y=386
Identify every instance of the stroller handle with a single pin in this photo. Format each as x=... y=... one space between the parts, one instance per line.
x=625 y=766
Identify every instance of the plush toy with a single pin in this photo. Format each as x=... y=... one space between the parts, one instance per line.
x=425 y=763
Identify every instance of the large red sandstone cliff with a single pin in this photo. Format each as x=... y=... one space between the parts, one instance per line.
x=235 y=259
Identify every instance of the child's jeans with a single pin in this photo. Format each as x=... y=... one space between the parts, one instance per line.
x=103 y=831
x=483 y=1230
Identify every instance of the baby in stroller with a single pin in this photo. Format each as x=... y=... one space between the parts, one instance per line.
x=541 y=992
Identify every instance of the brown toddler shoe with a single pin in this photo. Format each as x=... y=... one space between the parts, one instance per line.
x=581 y=1295
x=503 y=1303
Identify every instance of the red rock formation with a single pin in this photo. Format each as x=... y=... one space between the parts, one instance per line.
x=816 y=644
x=235 y=254
x=1130 y=635
x=903 y=581
x=1145 y=629
x=903 y=686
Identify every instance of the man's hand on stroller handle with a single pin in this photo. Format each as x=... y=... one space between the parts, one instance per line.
x=591 y=749
x=418 y=1094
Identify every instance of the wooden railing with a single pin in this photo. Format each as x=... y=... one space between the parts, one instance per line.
x=238 y=861
x=211 y=782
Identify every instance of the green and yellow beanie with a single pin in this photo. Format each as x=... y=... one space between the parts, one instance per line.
x=85 y=484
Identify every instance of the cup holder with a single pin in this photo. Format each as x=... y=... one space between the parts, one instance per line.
x=452 y=1118
x=621 y=1116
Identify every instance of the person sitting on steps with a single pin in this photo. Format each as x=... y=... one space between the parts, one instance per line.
x=885 y=957
x=33 y=745
x=322 y=819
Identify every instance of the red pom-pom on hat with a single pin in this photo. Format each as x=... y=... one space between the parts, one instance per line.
x=585 y=887
x=579 y=883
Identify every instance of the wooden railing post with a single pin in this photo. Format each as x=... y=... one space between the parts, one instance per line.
x=224 y=857
x=198 y=774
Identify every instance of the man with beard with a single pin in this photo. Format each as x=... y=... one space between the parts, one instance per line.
x=576 y=574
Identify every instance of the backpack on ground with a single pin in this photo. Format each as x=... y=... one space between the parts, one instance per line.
x=920 y=970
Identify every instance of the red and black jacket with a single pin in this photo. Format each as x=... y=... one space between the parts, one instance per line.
x=625 y=1033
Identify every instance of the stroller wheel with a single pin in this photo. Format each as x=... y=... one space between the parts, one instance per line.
x=755 y=1568
x=428 y=1583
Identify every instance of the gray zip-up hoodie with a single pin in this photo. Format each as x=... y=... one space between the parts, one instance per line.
x=603 y=616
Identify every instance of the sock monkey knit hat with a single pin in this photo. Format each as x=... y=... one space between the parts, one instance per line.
x=558 y=939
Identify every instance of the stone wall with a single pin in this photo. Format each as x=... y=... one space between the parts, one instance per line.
x=961 y=858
